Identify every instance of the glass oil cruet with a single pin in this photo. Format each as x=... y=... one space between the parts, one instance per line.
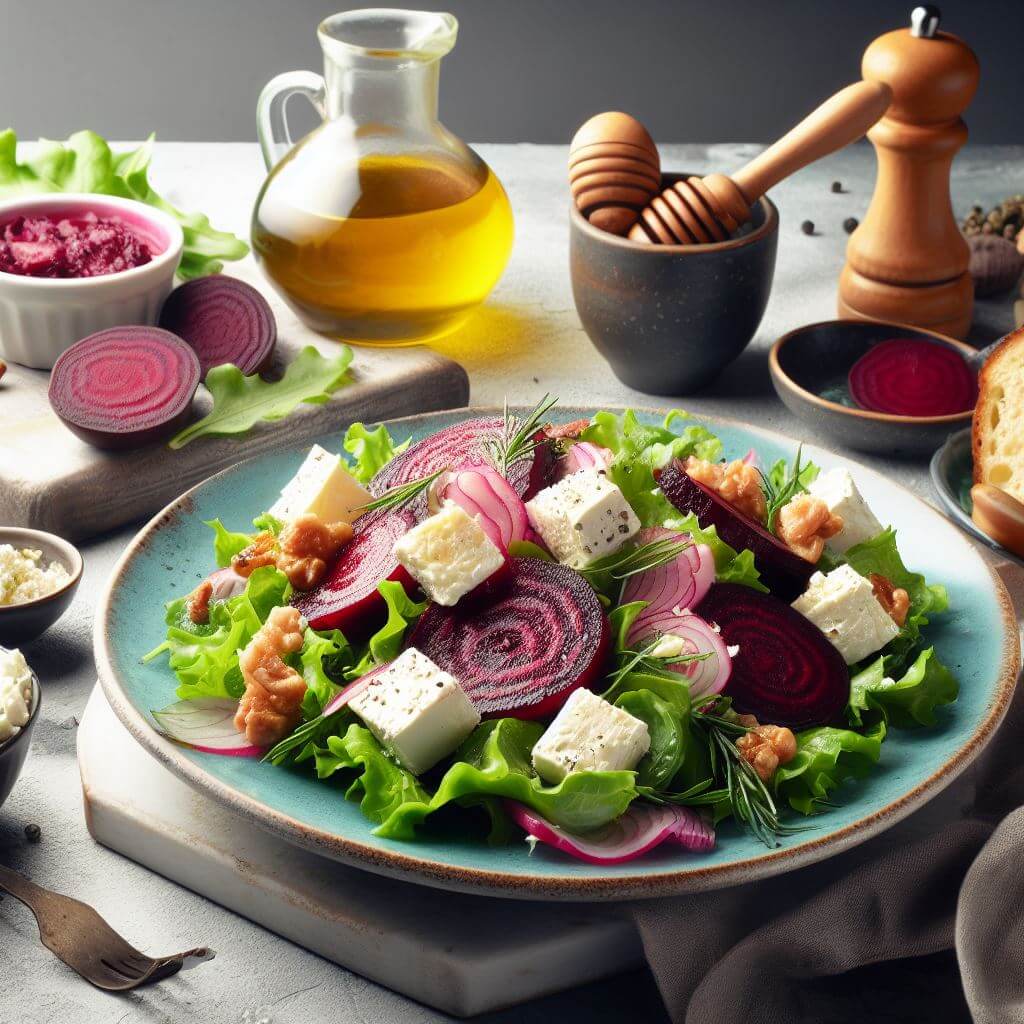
x=380 y=227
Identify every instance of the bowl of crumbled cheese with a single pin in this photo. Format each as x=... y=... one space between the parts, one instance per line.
x=39 y=573
x=19 y=709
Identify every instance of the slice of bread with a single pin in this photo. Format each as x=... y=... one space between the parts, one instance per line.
x=997 y=434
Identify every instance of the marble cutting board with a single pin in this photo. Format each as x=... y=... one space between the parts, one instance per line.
x=461 y=954
x=50 y=480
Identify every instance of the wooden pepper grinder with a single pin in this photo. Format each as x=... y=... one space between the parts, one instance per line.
x=908 y=260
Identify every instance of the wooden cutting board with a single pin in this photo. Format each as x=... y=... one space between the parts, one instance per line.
x=50 y=480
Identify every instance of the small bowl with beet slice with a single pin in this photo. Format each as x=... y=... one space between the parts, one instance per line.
x=49 y=300
x=877 y=387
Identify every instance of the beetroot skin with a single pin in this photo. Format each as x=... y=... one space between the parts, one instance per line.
x=522 y=652
x=225 y=320
x=783 y=572
x=125 y=387
x=785 y=672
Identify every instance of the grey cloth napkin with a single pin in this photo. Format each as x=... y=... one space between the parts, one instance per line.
x=869 y=934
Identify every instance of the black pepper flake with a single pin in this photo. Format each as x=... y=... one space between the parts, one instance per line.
x=807 y=227
x=33 y=833
x=850 y=225
x=837 y=186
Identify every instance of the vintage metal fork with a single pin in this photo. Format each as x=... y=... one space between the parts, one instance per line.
x=88 y=945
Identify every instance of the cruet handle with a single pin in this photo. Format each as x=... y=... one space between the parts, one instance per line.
x=271 y=118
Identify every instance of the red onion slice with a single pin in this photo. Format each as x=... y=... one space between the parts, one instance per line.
x=698 y=637
x=206 y=724
x=641 y=828
x=339 y=700
x=585 y=455
x=679 y=584
x=484 y=493
x=226 y=584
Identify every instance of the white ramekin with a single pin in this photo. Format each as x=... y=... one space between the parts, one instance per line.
x=42 y=316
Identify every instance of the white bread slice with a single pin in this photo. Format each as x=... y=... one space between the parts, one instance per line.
x=997 y=434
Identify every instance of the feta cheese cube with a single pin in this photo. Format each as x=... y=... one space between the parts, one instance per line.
x=582 y=518
x=448 y=554
x=417 y=711
x=324 y=487
x=589 y=734
x=844 y=607
x=837 y=489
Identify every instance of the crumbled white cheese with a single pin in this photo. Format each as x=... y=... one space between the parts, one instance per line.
x=324 y=487
x=448 y=554
x=837 y=489
x=417 y=711
x=23 y=577
x=589 y=734
x=844 y=607
x=15 y=693
x=582 y=518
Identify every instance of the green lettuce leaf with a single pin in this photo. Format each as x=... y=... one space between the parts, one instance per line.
x=205 y=657
x=371 y=450
x=781 y=471
x=493 y=762
x=226 y=543
x=667 y=724
x=323 y=661
x=905 y=702
x=825 y=757
x=240 y=402
x=85 y=163
x=386 y=644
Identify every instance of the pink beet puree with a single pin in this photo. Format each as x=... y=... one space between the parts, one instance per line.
x=79 y=245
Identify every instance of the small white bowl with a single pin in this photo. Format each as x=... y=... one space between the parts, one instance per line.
x=40 y=317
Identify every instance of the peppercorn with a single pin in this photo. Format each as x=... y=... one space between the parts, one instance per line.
x=850 y=225
x=807 y=227
x=837 y=186
x=33 y=833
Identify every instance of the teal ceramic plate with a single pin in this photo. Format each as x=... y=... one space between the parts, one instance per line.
x=170 y=555
x=952 y=470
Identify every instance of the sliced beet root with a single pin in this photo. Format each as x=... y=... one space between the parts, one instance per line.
x=913 y=377
x=348 y=598
x=465 y=444
x=783 y=571
x=125 y=387
x=523 y=652
x=786 y=672
x=225 y=320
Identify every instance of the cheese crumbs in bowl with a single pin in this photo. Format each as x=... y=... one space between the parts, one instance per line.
x=25 y=576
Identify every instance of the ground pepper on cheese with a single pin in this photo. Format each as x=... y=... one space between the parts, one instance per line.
x=23 y=577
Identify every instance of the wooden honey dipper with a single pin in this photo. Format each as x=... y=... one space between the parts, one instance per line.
x=711 y=209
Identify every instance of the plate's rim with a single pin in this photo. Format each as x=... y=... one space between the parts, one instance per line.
x=399 y=864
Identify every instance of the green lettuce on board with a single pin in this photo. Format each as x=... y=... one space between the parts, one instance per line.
x=371 y=450
x=905 y=702
x=493 y=762
x=85 y=163
x=825 y=757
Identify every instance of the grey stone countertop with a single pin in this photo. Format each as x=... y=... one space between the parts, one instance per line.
x=526 y=340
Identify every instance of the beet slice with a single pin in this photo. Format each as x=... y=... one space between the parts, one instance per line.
x=785 y=672
x=913 y=377
x=523 y=652
x=348 y=598
x=783 y=571
x=125 y=387
x=465 y=444
x=225 y=320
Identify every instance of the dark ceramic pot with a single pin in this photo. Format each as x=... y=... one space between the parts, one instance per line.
x=22 y=623
x=670 y=318
x=810 y=366
x=15 y=750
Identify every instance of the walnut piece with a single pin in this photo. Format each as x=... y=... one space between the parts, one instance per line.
x=262 y=551
x=805 y=523
x=895 y=600
x=572 y=430
x=735 y=482
x=270 y=708
x=198 y=603
x=308 y=546
x=765 y=747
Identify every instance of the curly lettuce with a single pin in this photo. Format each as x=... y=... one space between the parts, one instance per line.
x=908 y=701
x=371 y=450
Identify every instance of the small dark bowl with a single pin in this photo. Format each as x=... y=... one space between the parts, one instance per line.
x=22 y=623
x=813 y=361
x=14 y=751
x=670 y=318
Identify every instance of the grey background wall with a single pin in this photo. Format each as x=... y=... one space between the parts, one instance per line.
x=524 y=70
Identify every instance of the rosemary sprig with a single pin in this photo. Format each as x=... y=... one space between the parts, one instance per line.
x=517 y=440
x=621 y=565
x=776 y=498
x=396 y=497
x=305 y=733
